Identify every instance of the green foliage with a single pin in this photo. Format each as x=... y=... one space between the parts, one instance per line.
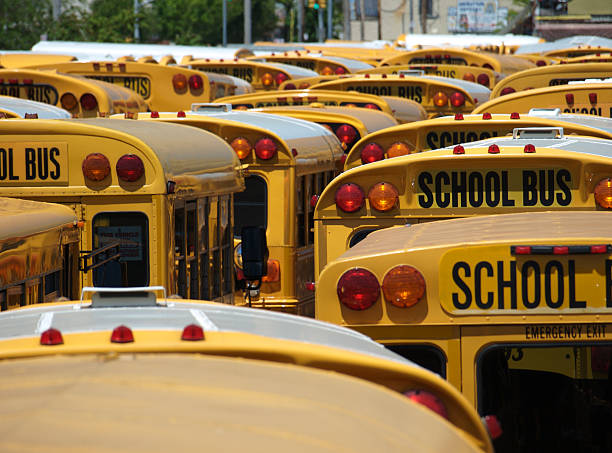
x=23 y=22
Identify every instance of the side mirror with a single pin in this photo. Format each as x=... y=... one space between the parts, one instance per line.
x=254 y=252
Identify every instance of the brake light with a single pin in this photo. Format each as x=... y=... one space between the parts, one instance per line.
x=483 y=79
x=440 y=99
x=265 y=148
x=242 y=147
x=349 y=197
x=507 y=90
x=340 y=70
x=372 y=152
x=383 y=196
x=51 y=337
x=469 y=77
x=196 y=82
x=603 y=193
x=428 y=400
x=122 y=334
x=346 y=133
x=130 y=168
x=358 y=289
x=96 y=167
x=89 y=102
x=400 y=149
x=267 y=80
x=289 y=86
x=403 y=286
x=457 y=99
x=192 y=332
x=372 y=106
x=280 y=78
x=68 y=101
x=179 y=82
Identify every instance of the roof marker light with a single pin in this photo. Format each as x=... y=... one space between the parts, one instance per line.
x=51 y=337
x=154 y=114
x=181 y=114
x=486 y=116
x=192 y=332
x=458 y=116
x=515 y=116
x=122 y=334
x=458 y=150
x=529 y=148
x=493 y=149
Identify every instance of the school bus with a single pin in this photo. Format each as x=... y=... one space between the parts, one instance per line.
x=402 y=109
x=578 y=51
x=162 y=87
x=483 y=76
x=446 y=131
x=513 y=309
x=286 y=163
x=20 y=60
x=262 y=76
x=306 y=82
x=349 y=124
x=535 y=169
x=593 y=58
x=177 y=357
x=79 y=96
x=437 y=95
x=503 y=64
x=39 y=253
x=589 y=98
x=545 y=76
x=372 y=56
x=321 y=64
x=155 y=199
x=11 y=107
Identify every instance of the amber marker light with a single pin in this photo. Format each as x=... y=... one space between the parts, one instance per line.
x=603 y=193
x=400 y=149
x=96 y=167
x=403 y=286
x=383 y=196
x=242 y=147
x=267 y=80
x=440 y=99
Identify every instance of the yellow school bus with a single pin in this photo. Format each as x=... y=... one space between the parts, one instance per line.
x=371 y=56
x=11 y=107
x=155 y=199
x=20 y=60
x=79 y=96
x=483 y=76
x=349 y=124
x=307 y=82
x=545 y=76
x=535 y=169
x=287 y=163
x=437 y=95
x=262 y=76
x=162 y=87
x=403 y=110
x=593 y=58
x=503 y=64
x=589 y=98
x=446 y=131
x=39 y=252
x=321 y=64
x=512 y=309
x=578 y=51
x=167 y=362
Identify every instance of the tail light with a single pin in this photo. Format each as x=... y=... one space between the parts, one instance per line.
x=400 y=149
x=440 y=99
x=428 y=400
x=493 y=426
x=540 y=63
x=179 y=82
x=192 y=332
x=195 y=82
x=383 y=196
x=469 y=77
x=265 y=148
x=267 y=80
x=349 y=197
x=327 y=70
x=51 y=337
x=403 y=286
x=506 y=91
x=483 y=79
x=340 y=70
x=68 y=101
x=372 y=152
x=242 y=147
x=89 y=102
x=304 y=85
x=603 y=193
x=289 y=86
x=372 y=106
x=280 y=78
x=130 y=168
x=358 y=289
x=346 y=134
x=122 y=334
x=273 y=274
x=96 y=167
x=457 y=99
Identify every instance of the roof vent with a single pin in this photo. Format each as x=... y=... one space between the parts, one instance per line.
x=210 y=107
x=537 y=132
x=143 y=296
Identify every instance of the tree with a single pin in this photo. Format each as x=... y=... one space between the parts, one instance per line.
x=22 y=23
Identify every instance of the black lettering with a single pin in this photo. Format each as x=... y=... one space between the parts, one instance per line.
x=43 y=163
x=471 y=137
x=478 y=287
x=502 y=284
x=530 y=194
x=442 y=196
x=505 y=200
x=444 y=138
x=432 y=138
x=564 y=198
x=571 y=273
x=547 y=194
x=459 y=188
x=3 y=164
x=418 y=97
x=492 y=189
x=30 y=163
x=55 y=171
x=608 y=279
x=11 y=168
x=535 y=267
x=548 y=284
x=484 y=135
x=425 y=200
x=462 y=286
x=476 y=184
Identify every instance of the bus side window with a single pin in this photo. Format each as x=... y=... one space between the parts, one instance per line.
x=215 y=252
x=204 y=249
x=428 y=356
x=310 y=191
x=299 y=211
x=179 y=249
x=227 y=244
x=191 y=250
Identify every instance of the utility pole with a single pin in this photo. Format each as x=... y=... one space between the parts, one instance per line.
x=136 y=25
x=320 y=23
x=300 y=20
x=411 y=18
x=330 y=7
x=346 y=20
x=224 y=23
x=379 y=20
x=362 y=18
x=247 y=22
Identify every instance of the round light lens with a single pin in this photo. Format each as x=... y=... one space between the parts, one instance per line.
x=372 y=152
x=440 y=99
x=267 y=80
x=196 y=82
x=96 y=167
x=400 y=149
x=372 y=106
x=506 y=91
x=130 y=168
x=89 y=102
x=483 y=79
x=68 y=101
x=280 y=78
x=403 y=286
x=327 y=71
x=358 y=289
x=457 y=99
x=346 y=134
x=265 y=148
x=603 y=193
x=289 y=86
x=469 y=77
x=383 y=196
x=179 y=82
x=349 y=197
x=340 y=70
x=242 y=147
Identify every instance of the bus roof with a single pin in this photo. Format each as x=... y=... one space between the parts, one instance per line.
x=21 y=218
x=595 y=121
x=22 y=106
x=476 y=90
x=564 y=43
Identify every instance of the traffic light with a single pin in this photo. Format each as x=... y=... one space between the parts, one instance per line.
x=316 y=4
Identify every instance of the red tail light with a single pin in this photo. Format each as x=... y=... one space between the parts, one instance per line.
x=349 y=197
x=372 y=152
x=346 y=133
x=280 y=78
x=122 y=334
x=89 y=102
x=372 y=106
x=289 y=86
x=192 y=332
x=506 y=91
x=340 y=70
x=358 y=289
x=51 y=337
x=95 y=167
x=265 y=148
x=483 y=79
x=428 y=400
x=179 y=82
x=130 y=168
x=196 y=82
x=540 y=63
x=457 y=99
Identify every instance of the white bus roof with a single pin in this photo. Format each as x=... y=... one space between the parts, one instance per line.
x=565 y=43
x=23 y=106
